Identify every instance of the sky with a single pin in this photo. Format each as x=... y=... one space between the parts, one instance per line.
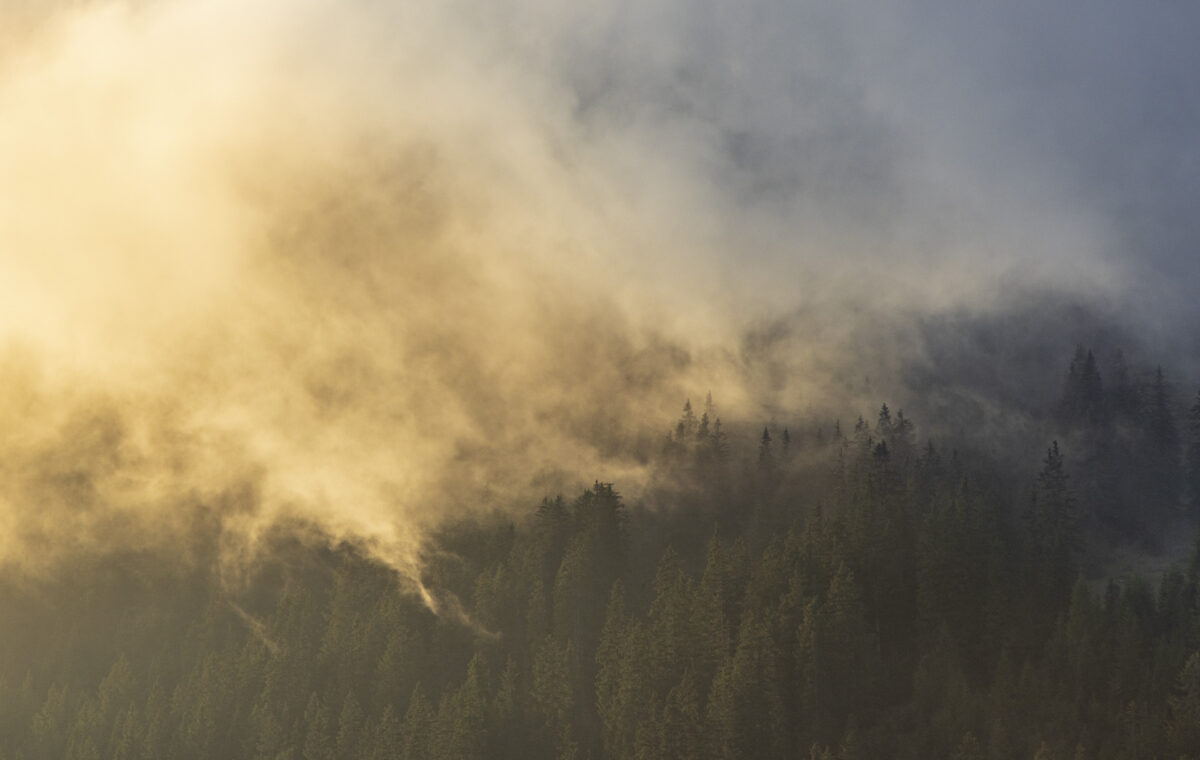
x=365 y=264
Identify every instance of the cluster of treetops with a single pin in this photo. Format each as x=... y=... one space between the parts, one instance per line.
x=831 y=595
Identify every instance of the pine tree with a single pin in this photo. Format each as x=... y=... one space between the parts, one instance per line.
x=127 y=736
x=49 y=726
x=351 y=728
x=460 y=729
x=552 y=692
x=418 y=726
x=610 y=661
x=862 y=436
x=719 y=442
x=672 y=630
x=685 y=429
x=766 y=459
x=903 y=443
x=682 y=729
x=507 y=727
x=1091 y=392
x=1083 y=393
x=759 y=726
x=720 y=719
x=625 y=694
x=884 y=427
x=838 y=655
x=388 y=740
x=1057 y=527
x=1123 y=395
x=1162 y=453
x=714 y=596
x=1193 y=456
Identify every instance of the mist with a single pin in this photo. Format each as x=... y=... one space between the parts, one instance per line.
x=370 y=265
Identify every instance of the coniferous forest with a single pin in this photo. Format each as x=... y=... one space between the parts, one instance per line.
x=609 y=380
x=821 y=589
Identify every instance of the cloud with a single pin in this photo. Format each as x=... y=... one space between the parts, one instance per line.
x=368 y=264
x=308 y=258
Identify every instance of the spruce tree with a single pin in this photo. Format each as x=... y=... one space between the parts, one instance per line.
x=765 y=457
x=1082 y=402
x=1057 y=524
x=1193 y=457
x=1161 y=455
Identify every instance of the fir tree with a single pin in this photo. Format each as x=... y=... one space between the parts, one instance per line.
x=765 y=457
x=1193 y=457
x=1083 y=393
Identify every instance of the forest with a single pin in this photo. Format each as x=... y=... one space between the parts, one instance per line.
x=822 y=589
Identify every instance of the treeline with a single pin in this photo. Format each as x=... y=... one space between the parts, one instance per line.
x=1137 y=471
x=829 y=594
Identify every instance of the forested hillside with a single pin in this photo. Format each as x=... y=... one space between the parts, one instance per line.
x=634 y=380
x=819 y=589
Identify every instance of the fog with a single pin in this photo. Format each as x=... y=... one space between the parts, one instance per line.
x=368 y=264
